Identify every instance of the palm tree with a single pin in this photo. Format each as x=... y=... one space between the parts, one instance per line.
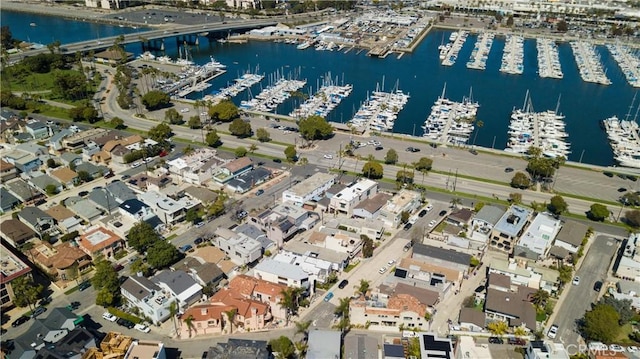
x=455 y=202
x=289 y=301
x=253 y=148
x=173 y=310
x=231 y=315
x=303 y=328
x=189 y=323
x=343 y=307
x=520 y=332
x=363 y=288
x=497 y=327
x=479 y=125
x=539 y=298
x=301 y=348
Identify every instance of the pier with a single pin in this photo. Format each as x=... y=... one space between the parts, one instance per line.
x=628 y=62
x=548 y=60
x=513 y=56
x=589 y=64
x=480 y=53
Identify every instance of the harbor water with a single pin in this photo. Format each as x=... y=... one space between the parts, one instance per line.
x=421 y=75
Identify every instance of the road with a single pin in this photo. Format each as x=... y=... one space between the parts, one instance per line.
x=578 y=298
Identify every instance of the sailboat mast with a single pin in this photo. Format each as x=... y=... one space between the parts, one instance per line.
x=626 y=118
x=558 y=104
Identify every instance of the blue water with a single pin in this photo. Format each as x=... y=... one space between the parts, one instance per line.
x=51 y=28
x=421 y=75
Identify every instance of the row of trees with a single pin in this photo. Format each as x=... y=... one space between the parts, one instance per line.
x=159 y=253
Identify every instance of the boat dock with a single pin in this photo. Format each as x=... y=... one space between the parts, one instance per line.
x=449 y=53
x=325 y=100
x=548 y=60
x=240 y=84
x=628 y=62
x=624 y=140
x=450 y=121
x=380 y=110
x=272 y=96
x=589 y=64
x=513 y=56
x=480 y=53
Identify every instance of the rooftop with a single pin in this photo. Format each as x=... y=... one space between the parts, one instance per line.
x=399 y=202
x=324 y=344
x=238 y=164
x=513 y=220
x=572 y=232
x=442 y=253
x=16 y=231
x=308 y=185
x=11 y=267
x=373 y=204
x=281 y=269
x=355 y=190
x=490 y=214
x=97 y=239
x=144 y=349
x=540 y=233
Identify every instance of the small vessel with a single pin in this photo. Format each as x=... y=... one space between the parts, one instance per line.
x=33 y=24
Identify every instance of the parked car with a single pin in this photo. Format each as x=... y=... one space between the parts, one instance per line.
x=508 y=170
x=328 y=156
x=185 y=248
x=142 y=328
x=422 y=213
x=328 y=296
x=125 y=323
x=21 y=320
x=407 y=247
x=205 y=354
x=277 y=160
x=517 y=341
x=432 y=223
x=597 y=286
x=199 y=224
x=118 y=267
x=382 y=270
x=408 y=226
x=343 y=284
x=442 y=213
x=259 y=192
x=108 y=316
x=83 y=286
x=36 y=312
x=73 y=306
x=496 y=340
x=412 y=149
x=616 y=348
x=576 y=280
x=198 y=241
x=553 y=331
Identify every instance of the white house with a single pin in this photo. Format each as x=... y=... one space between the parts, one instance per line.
x=403 y=201
x=180 y=285
x=167 y=209
x=309 y=189
x=148 y=297
x=288 y=274
x=240 y=248
x=345 y=201
x=536 y=241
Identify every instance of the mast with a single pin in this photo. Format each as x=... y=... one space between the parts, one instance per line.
x=626 y=118
x=526 y=97
x=444 y=89
x=558 y=104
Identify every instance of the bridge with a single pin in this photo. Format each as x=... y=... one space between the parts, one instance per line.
x=155 y=34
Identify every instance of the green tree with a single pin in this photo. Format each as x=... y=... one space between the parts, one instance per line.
x=139 y=266
x=51 y=163
x=557 y=205
x=622 y=306
x=633 y=218
x=225 y=111
x=562 y=26
x=263 y=135
x=498 y=327
x=240 y=128
x=303 y=328
x=26 y=291
x=69 y=236
x=106 y=282
x=193 y=216
x=601 y=323
x=282 y=347
x=290 y=153
x=84 y=176
x=315 y=128
x=364 y=286
x=231 y=317
x=566 y=273
x=367 y=247
x=217 y=208
x=342 y=309
x=515 y=198
x=539 y=298
x=160 y=133
x=240 y=152
x=6 y=38
x=455 y=202
x=372 y=170
x=162 y=254
x=404 y=216
x=253 y=148
x=51 y=190
x=118 y=123
x=173 y=116
x=189 y=323
x=155 y=99
x=213 y=139
x=403 y=176
x=194 y=122
x=520 y=180
x=391 y=158
x=290 y=301
x=141 y=236
x=598 y=212
x=424 y=164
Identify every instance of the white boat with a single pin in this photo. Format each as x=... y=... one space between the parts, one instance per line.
x=303 y=46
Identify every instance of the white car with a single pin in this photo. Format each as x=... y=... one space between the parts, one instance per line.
x=576 y=280
x=382 y=270
x=616 y=348
x=432 y=223
x=632 y=349
x=135 y=164
x=390 y=263
x=148 y=159
x=429 y=207
x=108 y=316
x=184 y=110
x=329 y=157
x=142 y=328
x=553 y=332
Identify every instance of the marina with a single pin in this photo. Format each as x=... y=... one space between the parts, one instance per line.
x=450 y=121
x=589 y=63
x=273 y=95
x=480 y=53
x=449 y=52
x=513 y=56
x=548 y=60
x=191 y=78
x=379 y=111
x=628 y=62
x=240 y=84
x=328 y=97
x=624 y=138
x=544 y=130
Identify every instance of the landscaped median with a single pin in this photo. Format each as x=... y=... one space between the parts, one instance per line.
x=120 y=314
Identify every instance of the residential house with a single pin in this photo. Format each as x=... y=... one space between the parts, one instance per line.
x=55 y=141
x=312 y=188
x=73 y=345
x=36 y=129
x=250 y=231
x=243 y=4
x=43 y=181
x=120 y=191
x=241 y=249
x=65 y=261
x=628 y=290
x=23 y=191
x=103 y=200
x=628 y=267
x=113 y=345
x=248 y=180
x=204 y=273
x=100 y=242
x=45 y=332
x=461 y=217
x=501 y=282
x=197 y=167
x=70 y=159
x=180 y=285
x=364 y=346
x=167 y=209
x=526 y=273
x=212 y=254
x=282 y=222
x=233 y=169
x=145 y=349
x=23 y=161
x=404 y=201
x=8 y=202
x=471 y=320
x=345 y=201
x=148 y=297
x=38 y=220
x=266 y=292
x=12 y=268
x=509 y=228
x=204 y=195
x=93 y=170
x=78 y=140
x=483 y=222
x=515 y=308
x=338 y=241
x=324 y=344
x=133 y=211
x=536 y=241
x=371 y=207
x=66 y=176
x=538 y=349
x=84 y=208
x=442 y=257
x=389 y=351
x=90 y=149
x=158 y=184
x=428 y=271
x=432 y=347
x=371 y=228
x=571 y=236
x=317 y=263
x=15 y=232
x=7 y=171
x=255 y=349
x=33 y=149
x=205 y=319
x=466 y=347
x=283 y=273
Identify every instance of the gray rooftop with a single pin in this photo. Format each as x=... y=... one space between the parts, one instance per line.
x=282 y=269
x=203 y=194
x=441 y=253
x=103 y=199
x=513 y=220
x=324 y=344
x=139 y=287
x=361 y=347
x=7 y=200
x=178 y=281
x=572 y=232
x=21 y=189
x=33 y=214
x=70 y=156
x=121 y=191
x=85 y=209
x=310 y=184
x=626 y=286
x=490 y=214
x=43 y=181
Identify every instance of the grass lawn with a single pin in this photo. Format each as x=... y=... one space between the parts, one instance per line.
x=351 y=266
x=74 y=289
x=623 y=335
x=171 y=237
